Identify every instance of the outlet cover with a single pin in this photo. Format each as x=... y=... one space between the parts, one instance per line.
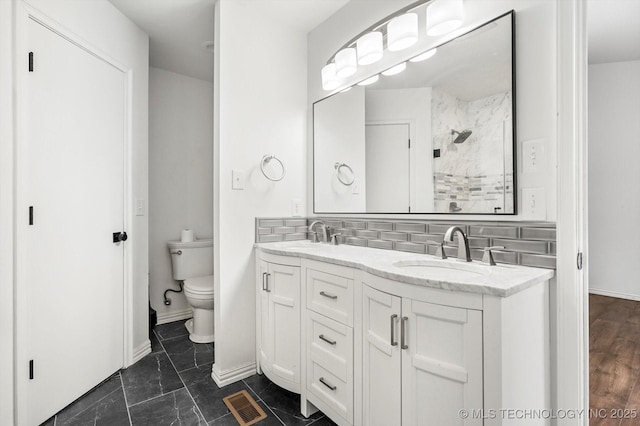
x=296 y=207
x=533 y=156
x=139 y=207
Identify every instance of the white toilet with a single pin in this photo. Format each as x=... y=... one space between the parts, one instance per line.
x=193 y=264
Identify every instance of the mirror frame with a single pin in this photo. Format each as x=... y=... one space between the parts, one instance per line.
x=512 y=14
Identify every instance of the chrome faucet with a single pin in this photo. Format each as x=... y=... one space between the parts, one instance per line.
x=323 y=227
x=463 y=243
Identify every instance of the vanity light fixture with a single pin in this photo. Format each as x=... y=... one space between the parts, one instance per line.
x=397 y=69
x=369 y=80
x=444 y=16
x=424 y=56
x=370 y=48
x=346 y=62
x=402 y=31
x=329 y=77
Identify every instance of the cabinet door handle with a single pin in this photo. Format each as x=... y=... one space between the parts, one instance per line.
x=264 y=279
x=403 y=344
x=394 y=341
x=326 y=339
x=327 y=384
x=267 y=284
x=328 y=295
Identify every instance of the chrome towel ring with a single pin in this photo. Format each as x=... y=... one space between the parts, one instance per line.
x=265 y=160
x=347 y=182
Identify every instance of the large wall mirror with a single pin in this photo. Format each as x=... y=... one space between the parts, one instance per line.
x=435 y=138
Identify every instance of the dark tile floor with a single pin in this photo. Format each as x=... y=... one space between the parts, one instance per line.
x=173 y=385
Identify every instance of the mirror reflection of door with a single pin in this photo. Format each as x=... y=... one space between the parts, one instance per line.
x=387 y=167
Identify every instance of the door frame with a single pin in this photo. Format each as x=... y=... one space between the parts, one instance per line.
x=23 y=13
x=572 y=309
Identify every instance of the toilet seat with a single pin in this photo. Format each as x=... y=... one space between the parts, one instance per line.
x=199 y=285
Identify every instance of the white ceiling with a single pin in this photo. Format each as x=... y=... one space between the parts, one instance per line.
x=614 y=30
x=178 y=28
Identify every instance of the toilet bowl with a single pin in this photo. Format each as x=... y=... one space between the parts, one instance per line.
x=192 y=264
x=199 y=294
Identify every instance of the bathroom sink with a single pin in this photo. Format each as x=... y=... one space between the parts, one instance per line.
x=441 y=270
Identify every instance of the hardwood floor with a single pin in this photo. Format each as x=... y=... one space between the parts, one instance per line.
x=614 y=361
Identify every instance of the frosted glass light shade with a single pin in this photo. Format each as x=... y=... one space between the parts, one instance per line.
x=346 y=62
x=329 y=77
x=424 y=56
x=370 y=48
x=395 y=69
x=369 y=80
x=444 y=16
x=402 y=31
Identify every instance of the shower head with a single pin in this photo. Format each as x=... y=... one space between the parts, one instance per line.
x=462 y=136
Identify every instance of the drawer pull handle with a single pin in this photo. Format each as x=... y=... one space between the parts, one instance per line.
x=329 y=341
x=327 y=384
x=328 y=295
x=264 y=279
x=394 y=341
x=403 y=343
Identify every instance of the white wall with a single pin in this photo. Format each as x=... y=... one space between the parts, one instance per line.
x=614 y=201
x=104 y=27
x=260 y=107
x=536 y=62
x=340 y=137
x=180 y=176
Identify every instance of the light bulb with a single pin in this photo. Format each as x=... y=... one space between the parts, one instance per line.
x=424 y=56
x=329 y=78
x=444 y=16
x=402 y=31
x=370 y=48
x=369 y=80
x=395 y=69
x=346 y=62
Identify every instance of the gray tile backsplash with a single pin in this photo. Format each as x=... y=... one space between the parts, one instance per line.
x=526 y=243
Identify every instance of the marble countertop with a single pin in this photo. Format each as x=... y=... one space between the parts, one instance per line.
x=418 y=269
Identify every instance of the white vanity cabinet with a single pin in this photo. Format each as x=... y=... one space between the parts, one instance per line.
x=421 y=361
x=370 y=346
x=278 y=319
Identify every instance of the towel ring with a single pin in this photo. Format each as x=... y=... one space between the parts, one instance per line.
x=338 y=166
x=265 y=160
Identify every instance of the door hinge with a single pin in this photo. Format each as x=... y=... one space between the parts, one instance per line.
x=30 y=61
x=30 y=369
x=30 y=215
x=579 y=261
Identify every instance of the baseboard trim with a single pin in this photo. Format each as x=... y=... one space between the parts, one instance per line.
x=141 y=352
x=619 y=295
x=167 y=317
x=231 y=376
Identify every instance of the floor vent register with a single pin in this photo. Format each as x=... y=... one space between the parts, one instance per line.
x=244 y=408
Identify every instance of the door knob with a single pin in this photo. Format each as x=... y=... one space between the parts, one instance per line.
x=119 y=236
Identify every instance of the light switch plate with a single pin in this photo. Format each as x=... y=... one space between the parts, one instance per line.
x=139 y=207
x=296 y=207
x=534 y=204
x=237 y=179
x=533 y=156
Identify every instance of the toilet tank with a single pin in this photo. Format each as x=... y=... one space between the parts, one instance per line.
x=193 y=259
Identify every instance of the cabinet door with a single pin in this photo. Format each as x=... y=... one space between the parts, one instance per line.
x=283 y=288
x=441 y=364
x=263 y=339
x=381 y=373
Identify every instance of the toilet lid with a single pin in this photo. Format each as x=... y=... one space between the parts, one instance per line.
x=199 y=284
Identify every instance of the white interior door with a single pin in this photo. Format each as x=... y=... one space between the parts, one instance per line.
x=441 y=364
x=387 y=175
x=381 y=373
x=70 y=271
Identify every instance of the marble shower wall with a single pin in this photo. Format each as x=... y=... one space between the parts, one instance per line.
x=471 y=174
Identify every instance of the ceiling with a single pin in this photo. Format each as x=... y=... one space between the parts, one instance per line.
x=614 y=30
x=177 y=29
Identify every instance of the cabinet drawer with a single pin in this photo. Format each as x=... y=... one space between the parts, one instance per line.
x=330 y=295
x=331 y=390
x=330 y=345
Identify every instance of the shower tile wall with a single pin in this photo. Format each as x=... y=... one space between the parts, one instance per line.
x=526 y=243
x=465 y=174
